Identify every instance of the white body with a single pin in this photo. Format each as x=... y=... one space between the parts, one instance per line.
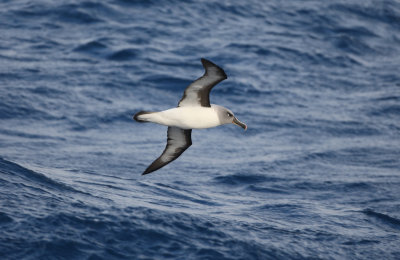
x=187 y=117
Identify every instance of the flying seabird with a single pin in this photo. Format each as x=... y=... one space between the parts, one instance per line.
x=194 y=111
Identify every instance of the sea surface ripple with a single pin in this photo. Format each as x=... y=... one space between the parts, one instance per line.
x=316 y=176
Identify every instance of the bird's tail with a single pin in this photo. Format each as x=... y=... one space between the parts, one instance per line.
x=142 y=116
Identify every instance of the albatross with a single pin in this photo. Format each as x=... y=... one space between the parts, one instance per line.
x=194 y=111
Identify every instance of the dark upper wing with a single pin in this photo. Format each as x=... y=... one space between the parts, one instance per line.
x=178 y=141
x=197 y=93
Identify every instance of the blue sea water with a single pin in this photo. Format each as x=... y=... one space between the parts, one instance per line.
x=316 y=176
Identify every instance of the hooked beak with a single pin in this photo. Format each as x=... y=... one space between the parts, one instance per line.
x=237 y=122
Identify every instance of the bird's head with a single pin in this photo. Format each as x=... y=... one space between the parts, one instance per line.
x=227 y=117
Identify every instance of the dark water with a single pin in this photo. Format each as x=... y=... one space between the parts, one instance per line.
x=317 y=175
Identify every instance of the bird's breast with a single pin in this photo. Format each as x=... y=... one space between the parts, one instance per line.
x=190 y=117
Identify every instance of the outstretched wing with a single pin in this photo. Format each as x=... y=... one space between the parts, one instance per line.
x=197 y=93
x=178 y=141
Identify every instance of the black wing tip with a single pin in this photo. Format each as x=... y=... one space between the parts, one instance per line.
x=206 y=63
x=145 y=172
x=152 y=167
x=148 y=170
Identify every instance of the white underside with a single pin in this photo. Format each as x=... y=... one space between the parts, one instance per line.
x=195 y=117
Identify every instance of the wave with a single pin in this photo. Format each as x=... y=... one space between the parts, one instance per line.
x=361 y=156
x=95 y=48
x=384 y=12
x=167 y=82
x=244 y=179
x=131 y=233
x=387 y=110
x=10 y=109
x=123 y=55
x=16 y=174
x=386 y=219
x=4 y=218
x=70 y=13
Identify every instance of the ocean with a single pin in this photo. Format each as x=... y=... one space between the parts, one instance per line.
x=315 y=176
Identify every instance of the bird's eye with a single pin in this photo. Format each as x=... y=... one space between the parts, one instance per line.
x=229 y=114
